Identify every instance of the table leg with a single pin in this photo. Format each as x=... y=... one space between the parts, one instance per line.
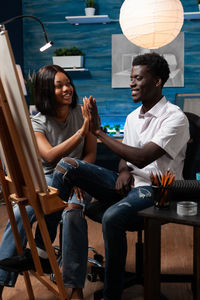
x=152 y=260
x=196 y=263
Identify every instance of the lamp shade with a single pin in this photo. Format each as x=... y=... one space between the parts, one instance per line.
x=151 y=24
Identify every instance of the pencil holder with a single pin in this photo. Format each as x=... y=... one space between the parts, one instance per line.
x=161 y=196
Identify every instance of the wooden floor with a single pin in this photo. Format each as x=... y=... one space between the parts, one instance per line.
x=176 y=257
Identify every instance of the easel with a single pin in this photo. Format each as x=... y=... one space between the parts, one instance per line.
x=25 y=182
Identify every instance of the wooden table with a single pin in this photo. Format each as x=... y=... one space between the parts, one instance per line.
x=153 y=219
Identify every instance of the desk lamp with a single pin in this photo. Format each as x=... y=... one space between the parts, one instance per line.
x=43 y=48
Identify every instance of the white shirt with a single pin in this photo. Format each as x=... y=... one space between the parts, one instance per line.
x=164 y=124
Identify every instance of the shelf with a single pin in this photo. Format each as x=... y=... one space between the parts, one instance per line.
x=76 y=70
x=191 y=15
x=76 y=20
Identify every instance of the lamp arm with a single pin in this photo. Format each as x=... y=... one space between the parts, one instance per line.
x=27 y=16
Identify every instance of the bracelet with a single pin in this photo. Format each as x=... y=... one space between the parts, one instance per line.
x=80 y=135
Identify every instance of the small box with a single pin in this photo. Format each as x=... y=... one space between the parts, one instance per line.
x=187 y=208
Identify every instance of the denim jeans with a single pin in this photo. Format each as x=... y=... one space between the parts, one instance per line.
x=7 y=246
x=120 y=216
x=74 y=248
x=74 y=235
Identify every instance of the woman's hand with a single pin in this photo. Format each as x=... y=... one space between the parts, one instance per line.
x=91 y=111
x=124 y=183
x=85 y=127
x=78 y=192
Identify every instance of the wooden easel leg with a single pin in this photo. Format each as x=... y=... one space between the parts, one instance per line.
x=14 y=229
x=48 y=245
x=30 y=238
x=28 y=286
x=51 y=254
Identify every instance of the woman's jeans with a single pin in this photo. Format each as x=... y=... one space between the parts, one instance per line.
x=120 y=216
x=74 y=236
x=8 y=247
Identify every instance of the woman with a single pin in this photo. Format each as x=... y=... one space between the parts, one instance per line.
x=59 y=126
x=60 y=130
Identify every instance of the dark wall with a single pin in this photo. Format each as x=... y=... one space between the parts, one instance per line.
x=10 y=9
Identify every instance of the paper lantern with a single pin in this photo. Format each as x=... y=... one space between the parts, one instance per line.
x=151 y=23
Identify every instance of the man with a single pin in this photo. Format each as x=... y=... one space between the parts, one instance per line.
x=155 y=138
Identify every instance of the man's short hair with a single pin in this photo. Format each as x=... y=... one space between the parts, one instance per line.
x=156 y=64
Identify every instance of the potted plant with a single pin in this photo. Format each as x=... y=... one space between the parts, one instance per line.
x=90 y=7
x=68 y=57
x=117 y=128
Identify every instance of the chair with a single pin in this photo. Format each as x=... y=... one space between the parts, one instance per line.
x=190 y=186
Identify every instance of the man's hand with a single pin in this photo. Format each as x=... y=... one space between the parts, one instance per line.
x=91 y=111
x=124 y=183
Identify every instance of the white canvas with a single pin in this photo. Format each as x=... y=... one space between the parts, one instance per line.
x=19 y=112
